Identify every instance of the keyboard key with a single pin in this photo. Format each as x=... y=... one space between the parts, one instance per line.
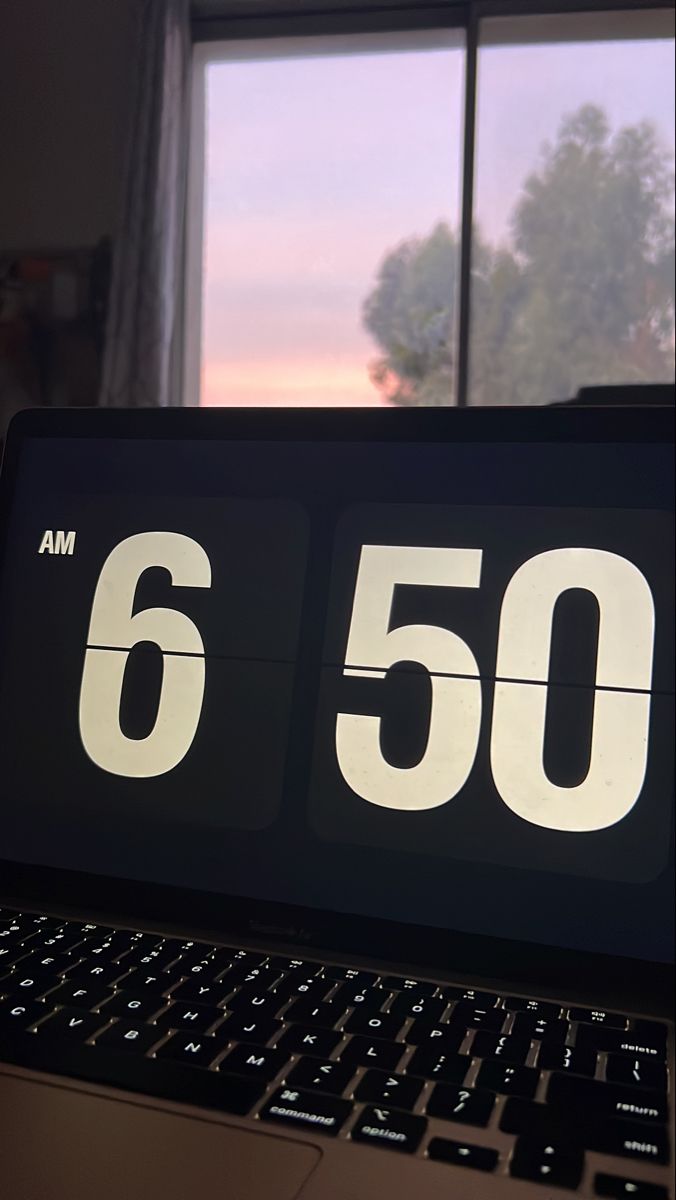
x=349 y=975
x=282 y=963
x=605 y=1099
x=619 y=1187
x=598 y=1016
x=638 y=1072
x=132 y=1007
x=373 y=1053
x=124 y=1036
x=248 y=958
x=259 y=979
x=446 y=1037
x=585 y=1127
x=381 y=1087
x=435 y=1063
x=198 y=1017
x=22 y=1013
x=353 y=996
x=199 y=992
x=307 y=1110
x=513 y=1081
x=631 y=1139
x=41 y=963
x=72 y=1023
x=304 y=1039
x=81 y=994
x=332 y=1077
x=11 y=954
x=191 y=1049
x=256 y=1062
x=563 y=1058
x=462 y=1154
x=31 y=985
x=294 y=986
x=103 y=974
x=383 y=1025
x=254 y=1004
x=469 y=1106
x=471 y=996
x=243 y=1029
x=541 y=1029
x=325 y=1013
x=140 y=980
x=540 y=1121
x=473 y=1017
x=617 y=1042
x=397 y=983
x=547 y=1162
x=412 y=1004
x=384 y=1127
x=507 y=1048
x=540 y=1008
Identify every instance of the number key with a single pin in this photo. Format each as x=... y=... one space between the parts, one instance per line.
x=413 y=1004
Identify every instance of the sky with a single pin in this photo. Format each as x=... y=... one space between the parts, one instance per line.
x=317 y=167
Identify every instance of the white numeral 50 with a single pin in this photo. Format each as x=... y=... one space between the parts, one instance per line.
x=621 y=718
x=113 y=631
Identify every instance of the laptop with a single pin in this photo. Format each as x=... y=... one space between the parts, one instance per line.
x=337 y=804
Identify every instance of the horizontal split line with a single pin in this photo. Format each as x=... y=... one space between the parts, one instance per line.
x=380 y=672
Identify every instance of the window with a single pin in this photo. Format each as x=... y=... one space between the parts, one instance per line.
x=573 y=247
x=330 y=205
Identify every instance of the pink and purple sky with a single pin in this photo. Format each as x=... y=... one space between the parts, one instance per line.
x=317 y=166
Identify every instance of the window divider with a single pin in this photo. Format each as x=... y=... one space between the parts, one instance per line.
x=467 y=212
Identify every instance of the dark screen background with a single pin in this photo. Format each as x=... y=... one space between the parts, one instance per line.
x=257 y=807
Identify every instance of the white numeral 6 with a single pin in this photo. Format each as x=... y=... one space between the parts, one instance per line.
x=113 y=631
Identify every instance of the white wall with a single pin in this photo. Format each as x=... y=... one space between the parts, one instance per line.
x=66 y=69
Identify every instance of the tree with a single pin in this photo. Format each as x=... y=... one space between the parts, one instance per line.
x=411 y=314
x=585 y=293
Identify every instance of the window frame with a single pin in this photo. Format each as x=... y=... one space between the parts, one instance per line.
x=217 y=21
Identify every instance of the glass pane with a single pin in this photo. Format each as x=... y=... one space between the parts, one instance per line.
x=331 y=215
x=573 y=251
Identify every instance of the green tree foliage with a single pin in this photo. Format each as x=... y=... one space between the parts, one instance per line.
x=584 y=294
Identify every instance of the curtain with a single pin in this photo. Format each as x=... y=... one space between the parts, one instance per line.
x=144 y=304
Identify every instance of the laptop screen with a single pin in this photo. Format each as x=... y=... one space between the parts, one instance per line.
x=430 y=683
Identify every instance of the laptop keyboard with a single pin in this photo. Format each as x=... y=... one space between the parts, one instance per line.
x=405 y=1064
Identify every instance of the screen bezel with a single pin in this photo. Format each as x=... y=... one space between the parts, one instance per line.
x=446 y=950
